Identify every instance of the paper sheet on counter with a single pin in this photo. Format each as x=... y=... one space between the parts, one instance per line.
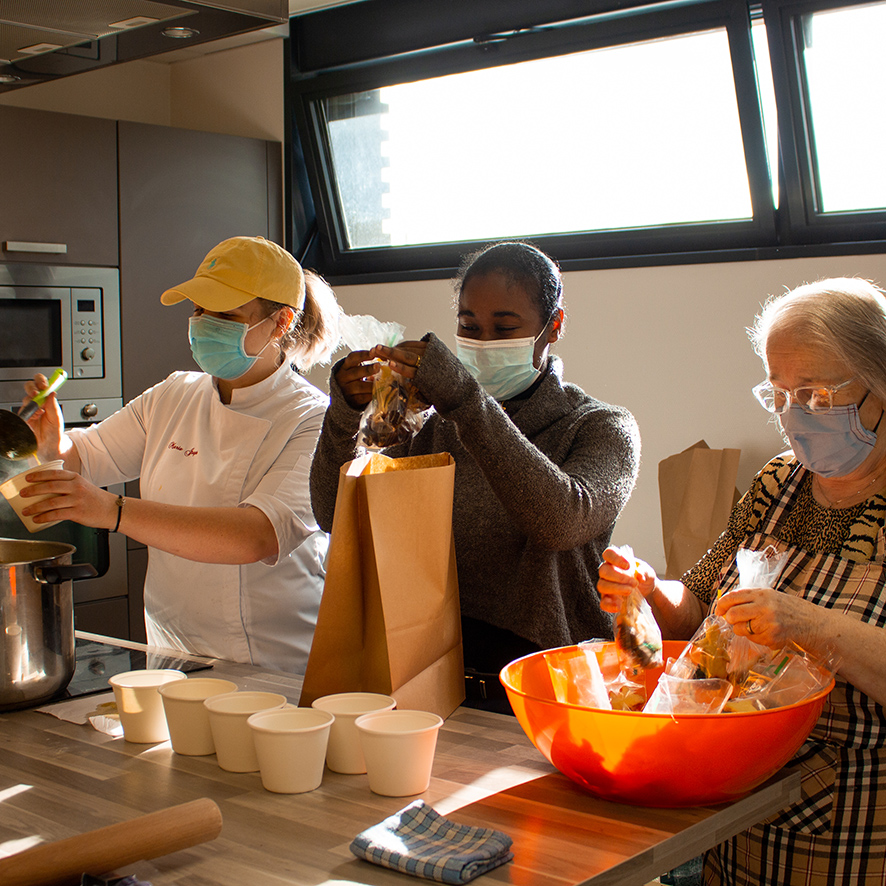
x=98 y=710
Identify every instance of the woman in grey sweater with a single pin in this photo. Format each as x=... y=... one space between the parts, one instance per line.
x=542 y=469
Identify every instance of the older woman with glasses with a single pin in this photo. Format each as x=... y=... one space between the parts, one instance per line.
x=824 y=502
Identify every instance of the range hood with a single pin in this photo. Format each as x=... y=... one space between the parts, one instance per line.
x=43 y=40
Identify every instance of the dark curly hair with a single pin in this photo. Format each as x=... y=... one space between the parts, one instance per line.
x=522 y=264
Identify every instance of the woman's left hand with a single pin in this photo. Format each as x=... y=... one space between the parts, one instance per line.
x=770 y=617
x=73 y=498
x=404 y=357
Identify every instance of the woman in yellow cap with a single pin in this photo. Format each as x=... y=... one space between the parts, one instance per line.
x=235 y=556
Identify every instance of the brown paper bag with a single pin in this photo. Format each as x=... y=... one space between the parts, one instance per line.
x=697 y=490
x=389 y=617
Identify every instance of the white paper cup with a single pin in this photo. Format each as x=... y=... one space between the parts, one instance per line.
x=186 y=715
x=139 y=704
x=344 y=753
x=398 y=747
x=228 y=713
x=290 y=744
x=11 y=488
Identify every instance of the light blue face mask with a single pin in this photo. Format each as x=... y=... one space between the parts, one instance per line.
x=503 y=366
x=219 y=346
x=831 y=444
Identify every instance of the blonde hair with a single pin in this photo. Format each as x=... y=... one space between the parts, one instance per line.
x=843 y=316
x=313 y=335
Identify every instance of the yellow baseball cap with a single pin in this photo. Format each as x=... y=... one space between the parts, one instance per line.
x=239 y=270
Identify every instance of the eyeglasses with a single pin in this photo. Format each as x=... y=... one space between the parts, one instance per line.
x=814 y=398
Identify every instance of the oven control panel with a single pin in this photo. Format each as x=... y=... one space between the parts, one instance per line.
x=87 y=337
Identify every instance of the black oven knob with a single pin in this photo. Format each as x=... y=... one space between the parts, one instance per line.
x=90 y=410
x=87 y=353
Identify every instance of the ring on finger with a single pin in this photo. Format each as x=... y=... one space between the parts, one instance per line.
x=750 y=627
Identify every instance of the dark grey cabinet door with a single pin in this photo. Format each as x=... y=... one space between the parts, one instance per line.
x=181 y=193
x=59 y=186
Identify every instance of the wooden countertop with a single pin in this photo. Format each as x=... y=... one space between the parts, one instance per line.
x=58 y=779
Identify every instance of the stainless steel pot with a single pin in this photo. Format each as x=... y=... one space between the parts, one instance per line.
x=36 y=619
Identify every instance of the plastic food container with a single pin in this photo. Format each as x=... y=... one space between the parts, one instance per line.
x=655 y=759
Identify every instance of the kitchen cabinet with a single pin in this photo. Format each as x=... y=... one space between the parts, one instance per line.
x=181 y=193
x=110 y=616
x=59 y=188
x=102 y=604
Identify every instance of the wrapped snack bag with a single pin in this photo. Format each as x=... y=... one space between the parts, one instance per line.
x=759 y=569
x=789 y=676
x=395 y=412
x=625 y=692
x=715 y=650
x=637 y=635
x=579 y=680
x=674 y=695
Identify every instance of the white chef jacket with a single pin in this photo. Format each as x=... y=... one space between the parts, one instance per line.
x=189 y=448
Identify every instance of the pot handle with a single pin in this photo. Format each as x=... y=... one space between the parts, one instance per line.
x=55 y=575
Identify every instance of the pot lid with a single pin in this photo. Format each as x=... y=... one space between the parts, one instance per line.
x=22 y=552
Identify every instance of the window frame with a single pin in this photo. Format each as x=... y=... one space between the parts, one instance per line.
x=321 y=241
x=801 y=221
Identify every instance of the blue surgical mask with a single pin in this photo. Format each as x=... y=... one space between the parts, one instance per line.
x=219 y=346
x=503 y=366
x=831 y=444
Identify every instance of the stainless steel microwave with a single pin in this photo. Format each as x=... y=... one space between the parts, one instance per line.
x=55 y=316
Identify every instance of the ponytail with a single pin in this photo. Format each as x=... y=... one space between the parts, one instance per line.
x=314 y=334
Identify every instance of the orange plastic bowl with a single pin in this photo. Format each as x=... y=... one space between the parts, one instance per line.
x=655 y=759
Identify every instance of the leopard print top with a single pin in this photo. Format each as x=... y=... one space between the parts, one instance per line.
x=850 y=532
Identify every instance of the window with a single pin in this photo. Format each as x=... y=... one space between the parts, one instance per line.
x=830 y=92
x=634 y=135
x=425 y=162
x=842 y=63
x=767 y=99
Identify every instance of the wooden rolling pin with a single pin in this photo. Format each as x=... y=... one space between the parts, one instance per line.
x=106 y=849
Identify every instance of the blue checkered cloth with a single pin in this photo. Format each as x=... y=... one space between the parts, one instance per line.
x=418 y=841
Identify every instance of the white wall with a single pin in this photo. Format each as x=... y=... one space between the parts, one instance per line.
x=668 y=343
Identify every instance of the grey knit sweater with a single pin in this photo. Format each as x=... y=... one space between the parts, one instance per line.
x=539 y=483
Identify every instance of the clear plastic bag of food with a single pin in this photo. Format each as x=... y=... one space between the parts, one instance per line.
x=715 y=650
x=759 y=569
x=579 y=680
x=675 y=695
x=626 y=692
x=637 y=635
x=790 y=675
x=396 y=412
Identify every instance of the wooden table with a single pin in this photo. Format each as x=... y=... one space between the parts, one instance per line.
x=58 y=779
